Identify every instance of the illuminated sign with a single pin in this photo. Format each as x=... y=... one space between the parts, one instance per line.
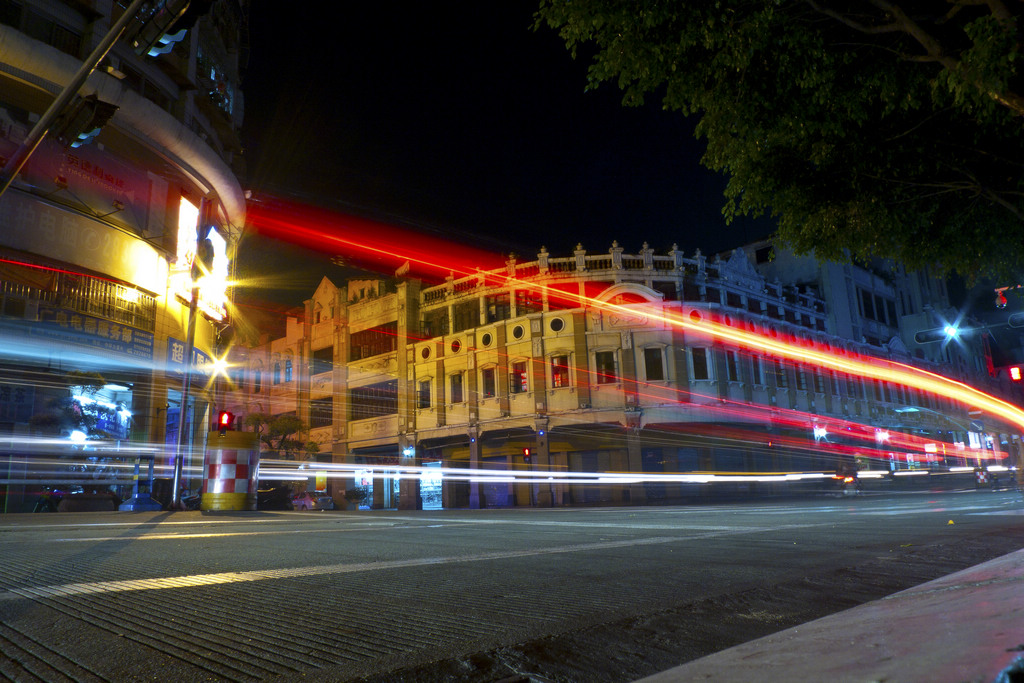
x=213 y=285
x=72 y=327
x=201 y=363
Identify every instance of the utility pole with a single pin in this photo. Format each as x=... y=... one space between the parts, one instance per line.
x=190 y=343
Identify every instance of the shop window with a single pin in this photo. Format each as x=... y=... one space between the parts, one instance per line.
x=604 y=366
x=654 y=366
x=559 y=371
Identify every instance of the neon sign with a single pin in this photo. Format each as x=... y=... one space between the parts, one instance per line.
x=213 y=285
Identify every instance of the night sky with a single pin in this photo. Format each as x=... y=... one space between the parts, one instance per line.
x=457 y=119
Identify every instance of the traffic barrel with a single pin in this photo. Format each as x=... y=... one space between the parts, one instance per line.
x=230 y=471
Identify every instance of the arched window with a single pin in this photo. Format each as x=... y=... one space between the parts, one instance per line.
x=257 y=380
x=277 y=373
x=288 y=370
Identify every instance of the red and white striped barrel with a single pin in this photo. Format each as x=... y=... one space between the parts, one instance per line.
x=230 y=471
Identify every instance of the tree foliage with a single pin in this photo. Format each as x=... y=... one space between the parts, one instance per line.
x=873 y=128
x=282 y=435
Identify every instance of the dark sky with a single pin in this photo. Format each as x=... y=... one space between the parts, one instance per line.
x=458 y=119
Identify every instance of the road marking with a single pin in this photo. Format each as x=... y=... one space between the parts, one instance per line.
x=196 y=580
x=215 y=534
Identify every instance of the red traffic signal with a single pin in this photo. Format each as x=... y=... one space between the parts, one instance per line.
x=225 y=420
x=527 y=453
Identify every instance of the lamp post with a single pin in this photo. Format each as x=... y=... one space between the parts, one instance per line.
x=200 y=263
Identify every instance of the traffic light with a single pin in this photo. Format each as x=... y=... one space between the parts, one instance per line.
x=1015 y=373
x=153 y=36
x=81 y=122
x=527 y=455
x=225 y=421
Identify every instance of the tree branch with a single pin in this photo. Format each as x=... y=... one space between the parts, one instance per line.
x=933 y=49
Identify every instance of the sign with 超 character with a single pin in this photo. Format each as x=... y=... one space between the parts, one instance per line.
x=201 y=363
x=71 y=327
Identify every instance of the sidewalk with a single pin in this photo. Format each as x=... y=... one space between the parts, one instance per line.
x=965 y=627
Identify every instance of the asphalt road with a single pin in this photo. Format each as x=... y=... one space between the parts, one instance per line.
x=600 y=594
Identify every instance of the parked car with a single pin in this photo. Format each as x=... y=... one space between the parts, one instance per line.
x=312 y=500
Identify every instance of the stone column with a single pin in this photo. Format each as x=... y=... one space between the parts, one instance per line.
x=542 y=461
x=474 y=464
x=408 y=462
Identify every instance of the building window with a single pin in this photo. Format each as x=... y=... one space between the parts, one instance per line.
x=423 y=394
x=498 y=307
x=604 y=366
x=321 y=412
x=732 y=365
x=517 y=381
x=654 y=366
x=323 y=360
x=456 y=385
x=465 y=315
x=757 y=370
x=701 y=368
x=781 y=380
x=801 y=379
x=375 y=400
x=559 y=371
x=277 y=373
x=288 y=371
x=374 y=341
x=488 y=385
x=819 y=382
x=257 y=381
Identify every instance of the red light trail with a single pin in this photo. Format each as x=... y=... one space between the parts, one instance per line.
x=383 y=244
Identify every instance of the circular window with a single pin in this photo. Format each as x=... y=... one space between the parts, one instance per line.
x=486 y=339
x=425 y=352
x=557 y=325
x=518 y=331
x=456 y=345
